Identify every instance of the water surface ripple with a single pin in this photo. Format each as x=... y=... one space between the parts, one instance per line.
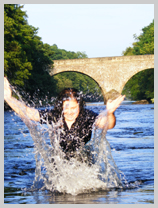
x=132 y=148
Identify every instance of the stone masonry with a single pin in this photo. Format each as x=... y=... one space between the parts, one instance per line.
x=111 y=73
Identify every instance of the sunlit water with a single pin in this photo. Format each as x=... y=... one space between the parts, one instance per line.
x=121 y=168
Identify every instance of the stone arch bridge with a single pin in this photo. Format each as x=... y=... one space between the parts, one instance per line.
x=111 y=73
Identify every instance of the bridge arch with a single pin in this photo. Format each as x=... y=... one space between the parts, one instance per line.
x=137 y=79
x=111 y=73
x=100 y=91
x=130 y=76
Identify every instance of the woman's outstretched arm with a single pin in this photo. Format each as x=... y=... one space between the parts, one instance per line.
x=19 y=107
x=108 y=119
x=111 y=106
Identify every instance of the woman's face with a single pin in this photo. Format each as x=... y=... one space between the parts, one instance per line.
x=71 y=110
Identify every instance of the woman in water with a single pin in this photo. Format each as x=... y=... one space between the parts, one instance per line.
x=77 y=122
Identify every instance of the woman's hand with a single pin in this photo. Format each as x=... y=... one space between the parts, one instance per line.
x=7 y=89
x=108 y=120
x=112 y=105
x=19 y=107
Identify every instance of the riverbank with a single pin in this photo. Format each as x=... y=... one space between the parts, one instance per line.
x=125 y=102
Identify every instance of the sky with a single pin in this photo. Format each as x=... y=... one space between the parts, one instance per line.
x=99 y=30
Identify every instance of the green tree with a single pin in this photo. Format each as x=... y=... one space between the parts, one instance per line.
x=26 y=58
x=16 y=65
x=144 y=42
x=63 y=54
x=84 y=83
x=73 y=79
x=40 y=81
x=141 y=85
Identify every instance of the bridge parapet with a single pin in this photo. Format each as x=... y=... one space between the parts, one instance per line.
x=111 y=73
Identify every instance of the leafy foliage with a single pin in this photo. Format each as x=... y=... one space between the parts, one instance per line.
x=79 y=81
x=76 y=80
x=16 y=64
x=27 y=58
x=141 y=85
x=63 y=54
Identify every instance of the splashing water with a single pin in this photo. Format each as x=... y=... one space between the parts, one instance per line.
x=91 y=169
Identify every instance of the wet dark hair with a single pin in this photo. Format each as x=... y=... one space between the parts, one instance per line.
x=68 y=94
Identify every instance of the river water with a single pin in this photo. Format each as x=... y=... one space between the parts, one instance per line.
x=131 y=145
